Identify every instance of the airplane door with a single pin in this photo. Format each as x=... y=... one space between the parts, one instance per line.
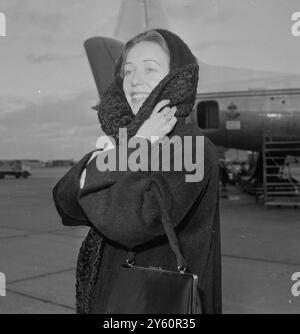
x=208 y=119
x=278 y=117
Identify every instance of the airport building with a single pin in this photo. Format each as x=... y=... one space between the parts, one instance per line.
x=60 y=163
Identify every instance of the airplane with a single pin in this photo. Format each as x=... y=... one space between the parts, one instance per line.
x=235 y=108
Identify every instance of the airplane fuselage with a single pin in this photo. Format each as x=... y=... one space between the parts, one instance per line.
x=240 y=119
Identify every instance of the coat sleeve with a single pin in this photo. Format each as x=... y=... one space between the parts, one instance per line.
x=65 y=195
x=125 y=206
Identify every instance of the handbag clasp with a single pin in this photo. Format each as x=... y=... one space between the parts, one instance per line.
x=130 y=262
x=182 y=269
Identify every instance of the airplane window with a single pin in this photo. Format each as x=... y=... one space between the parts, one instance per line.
x=208 y=115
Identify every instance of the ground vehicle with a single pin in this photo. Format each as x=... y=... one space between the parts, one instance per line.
x=17 y=168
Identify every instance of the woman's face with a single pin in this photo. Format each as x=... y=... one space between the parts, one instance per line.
x=145 y=66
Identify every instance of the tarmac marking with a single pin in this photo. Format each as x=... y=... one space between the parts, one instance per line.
x=40 y=299
x=67 y=234
x=40 y=276
x=34 y=232
x=16 y=228
x=260 y=260
x=21 y=235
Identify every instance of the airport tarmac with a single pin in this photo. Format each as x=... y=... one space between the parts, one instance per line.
x=260 y=251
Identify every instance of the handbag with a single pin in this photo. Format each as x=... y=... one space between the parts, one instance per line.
x=153 y=290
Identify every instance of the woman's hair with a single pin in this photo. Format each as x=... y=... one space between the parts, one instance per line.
x=147 y=36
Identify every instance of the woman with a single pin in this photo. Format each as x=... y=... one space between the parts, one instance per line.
x=155 y=79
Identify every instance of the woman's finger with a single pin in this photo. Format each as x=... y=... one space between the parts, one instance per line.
x=169 y=126
x=173 y=121
x=160 y=105
x=166 y=111
x=170 y=114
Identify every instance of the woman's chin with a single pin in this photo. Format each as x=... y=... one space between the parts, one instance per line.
x=136 y=105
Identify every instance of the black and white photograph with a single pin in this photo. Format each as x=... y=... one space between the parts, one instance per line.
x=150 y=159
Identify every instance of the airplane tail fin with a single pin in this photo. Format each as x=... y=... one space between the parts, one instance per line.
x=136 y=16
x=102 y=53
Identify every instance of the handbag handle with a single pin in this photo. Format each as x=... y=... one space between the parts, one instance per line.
x=171 y=235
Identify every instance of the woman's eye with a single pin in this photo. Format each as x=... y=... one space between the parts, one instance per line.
x=149 y=69
x=127 y=72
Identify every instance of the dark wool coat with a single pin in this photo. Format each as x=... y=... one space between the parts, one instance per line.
x=124 y=209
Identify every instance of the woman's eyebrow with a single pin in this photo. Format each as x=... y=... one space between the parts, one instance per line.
x=152 y=61
x=130 y=63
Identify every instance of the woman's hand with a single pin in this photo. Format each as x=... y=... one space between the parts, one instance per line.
x=160 y=123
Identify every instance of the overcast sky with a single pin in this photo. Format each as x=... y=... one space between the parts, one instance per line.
x=46 y=86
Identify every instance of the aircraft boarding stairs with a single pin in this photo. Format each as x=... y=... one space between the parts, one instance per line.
x=281 y=155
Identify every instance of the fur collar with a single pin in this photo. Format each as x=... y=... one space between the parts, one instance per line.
x=179 y=86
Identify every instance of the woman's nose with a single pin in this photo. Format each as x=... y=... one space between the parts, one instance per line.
x=136 y=79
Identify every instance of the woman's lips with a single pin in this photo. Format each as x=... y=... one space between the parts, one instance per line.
x=139 y=96
x=137 y=100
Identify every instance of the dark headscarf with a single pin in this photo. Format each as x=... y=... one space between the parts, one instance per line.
x=179 y=86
